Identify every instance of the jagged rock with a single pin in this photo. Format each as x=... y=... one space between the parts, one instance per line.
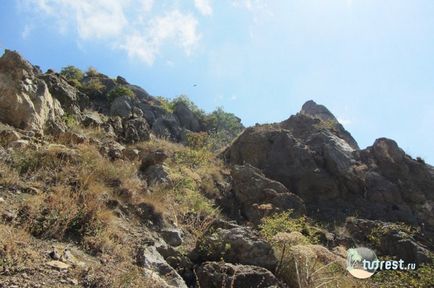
x=25 y=101
x=388 y=239
x=172 y=236
x=147 y=213
x=153 y=158
x=69 y=97
x=168 y=127
x=234 y=244
x=186 y=117
x=137 y=112
x=121 y=106
x=318 y=160
x=131 y=154
x=121 y=80
x=139 y=92
x=135 y=130
x=113 y=150
x=59 y=265
x=8 y=136
x=91 y=120
x=19 y=144
x=260 y=196
x=311 y=109
x=220 y=274
x=157 y=174
x=72 y=138
x=149 y=258
x=151 y=112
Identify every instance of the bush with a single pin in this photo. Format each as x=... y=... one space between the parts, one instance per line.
x=94 y=86
x=91 y=72
x=119 y=91
x=223 y=127
x=422 y=277
x=187 y=102
x=72 y=73
x=281 y=222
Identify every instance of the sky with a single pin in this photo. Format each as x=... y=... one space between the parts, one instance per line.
x=371 y=62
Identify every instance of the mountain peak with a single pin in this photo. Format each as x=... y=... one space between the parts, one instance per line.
x=314 y=110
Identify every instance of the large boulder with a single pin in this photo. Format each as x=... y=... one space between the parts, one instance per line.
x=25 y=101
x=390 y=239
x=259 y=196
x=186 y=117
x=220 y=274
x=168 y=127
x=149 y=258
x=234 y=244
x=121 y=106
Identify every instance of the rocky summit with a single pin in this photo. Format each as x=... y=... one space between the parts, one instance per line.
x=105 y=185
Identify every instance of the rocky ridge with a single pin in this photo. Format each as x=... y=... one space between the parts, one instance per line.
x=104 y=185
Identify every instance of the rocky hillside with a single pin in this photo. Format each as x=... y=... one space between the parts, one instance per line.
x=104 y=185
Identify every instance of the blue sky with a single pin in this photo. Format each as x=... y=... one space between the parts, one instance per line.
x=371 y=62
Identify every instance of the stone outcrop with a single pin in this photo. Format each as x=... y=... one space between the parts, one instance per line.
x=234 y=244
x=218 y=274
x=25 y=100
x=259 y=196
x=318 y=160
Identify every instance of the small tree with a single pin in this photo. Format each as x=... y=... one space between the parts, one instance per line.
x=187 y=102
x=119 y=91
x=72 y=73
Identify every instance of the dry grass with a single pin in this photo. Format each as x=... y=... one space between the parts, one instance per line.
x=8 y=176
x=307 y=266
x=78 y=183
x=15 y=249
x=123 y=275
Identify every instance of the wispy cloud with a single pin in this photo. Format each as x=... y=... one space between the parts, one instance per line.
x=127 y=25
x=204 y=6
x=173 y=27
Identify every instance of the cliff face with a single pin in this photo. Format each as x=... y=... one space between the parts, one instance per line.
x=104 y=185
x=318 y=160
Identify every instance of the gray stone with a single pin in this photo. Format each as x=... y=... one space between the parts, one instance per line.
x=219 y=274
x=149 y=258
x=234 y=244
x=121 y=106
x=172 y=236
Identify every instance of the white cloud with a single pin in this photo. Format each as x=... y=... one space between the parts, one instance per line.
x=91 y=19
x=173 y=27
x=98 y=18
x=146 y=5
x=123 y=24
x=27 y=29
x=204 y=7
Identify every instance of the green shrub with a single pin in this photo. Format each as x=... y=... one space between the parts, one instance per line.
x=94 y=86
x=281 y=222
x=419 y=278
x=72 y=73
x=165 y=104
x=223 y=127
x=69 y=120
x=91 y=72
x=119 y=91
